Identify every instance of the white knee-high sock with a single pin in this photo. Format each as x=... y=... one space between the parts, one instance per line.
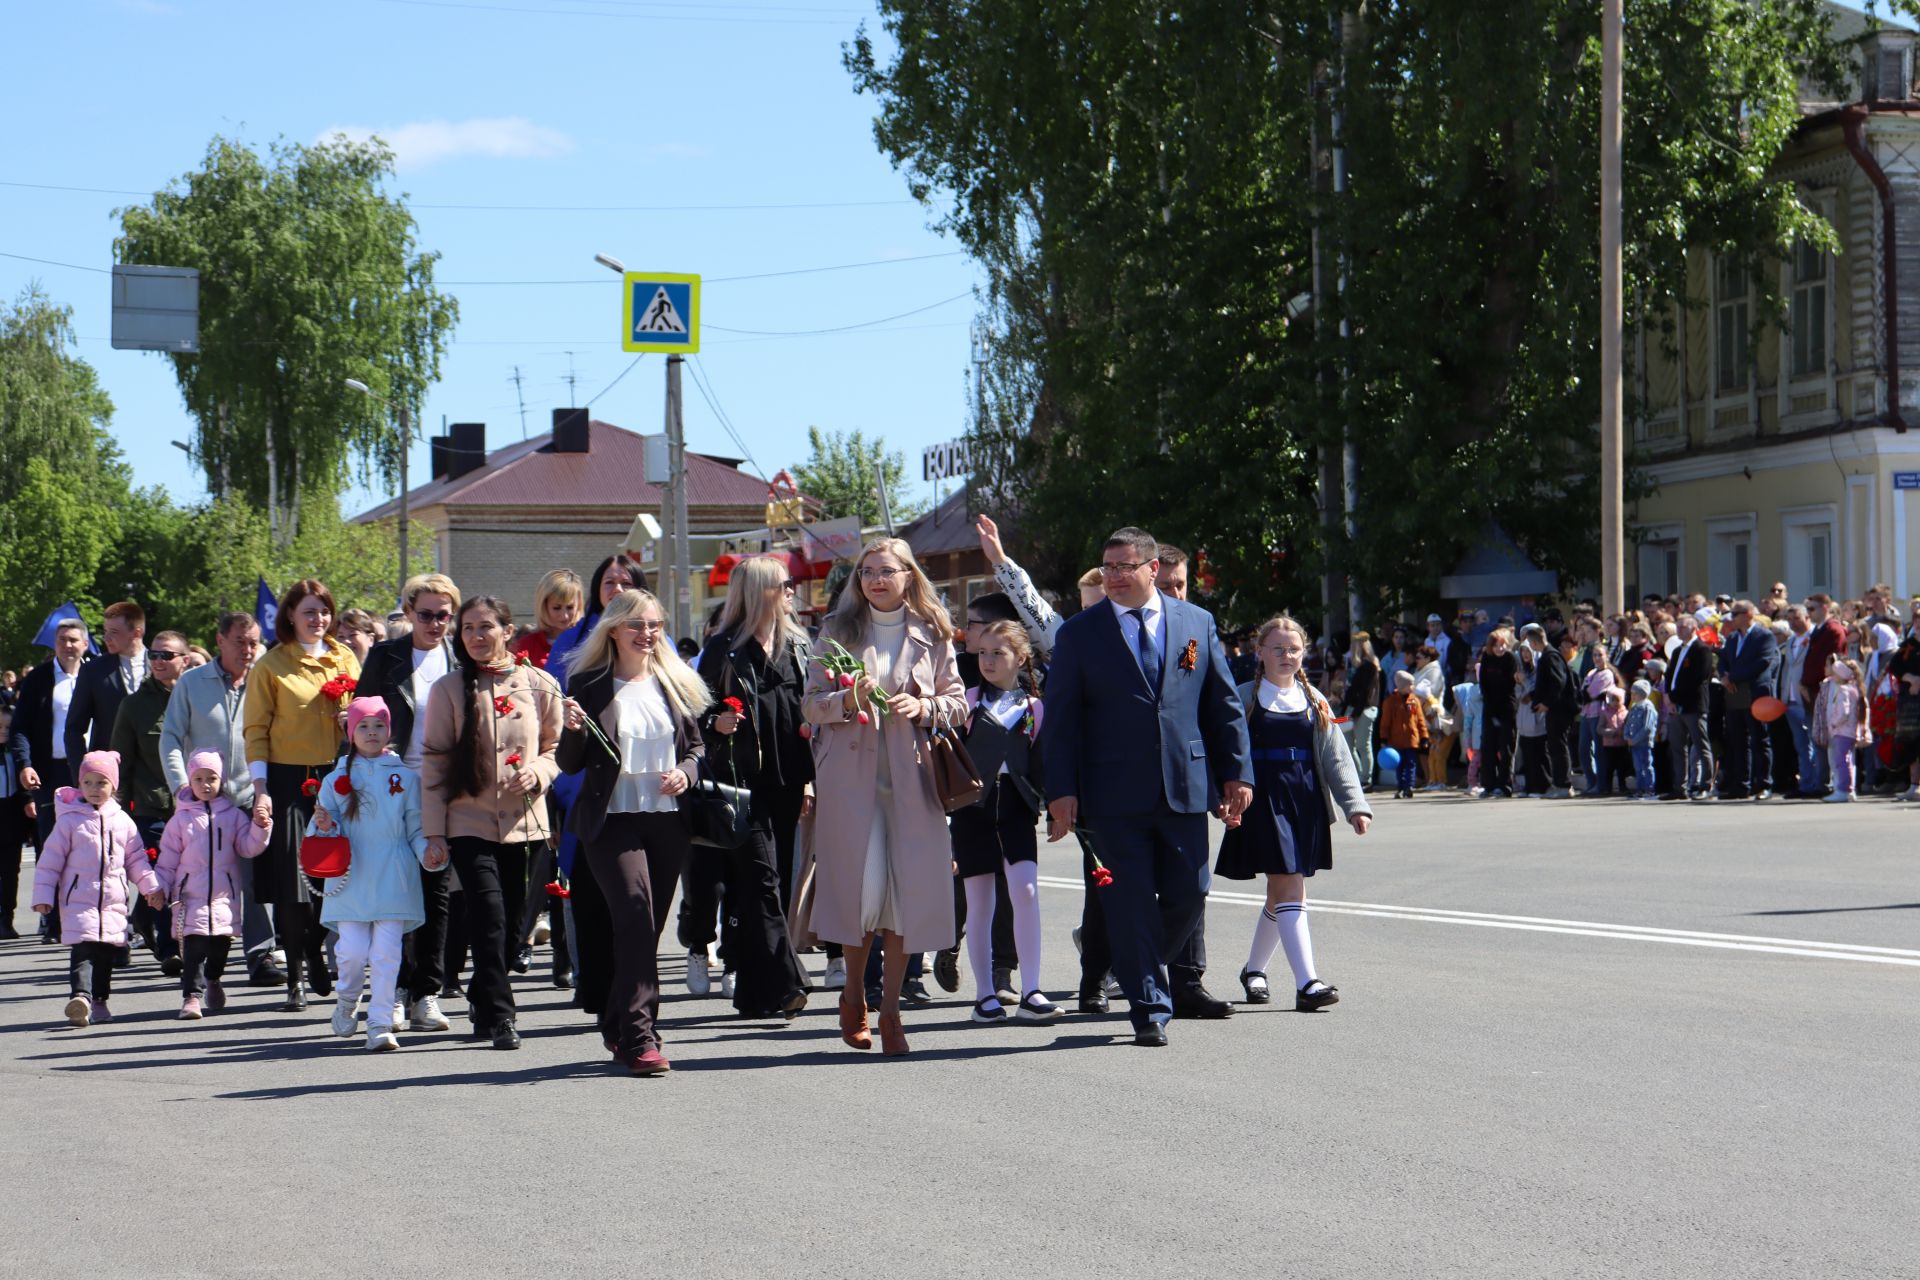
x=980 y=897
x=1266 y=940
x=1292 y=919
x=1023 y=890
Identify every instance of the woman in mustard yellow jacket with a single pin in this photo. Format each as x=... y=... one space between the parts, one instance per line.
x=293 y=715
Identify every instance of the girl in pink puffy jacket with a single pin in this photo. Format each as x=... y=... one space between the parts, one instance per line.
x=93 y=851
x=199 y=870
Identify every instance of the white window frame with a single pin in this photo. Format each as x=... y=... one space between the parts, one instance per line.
x=1801 y=332
x=1739 y=311
x=1794 y=519
x=1662 y=534
x=1748 y=523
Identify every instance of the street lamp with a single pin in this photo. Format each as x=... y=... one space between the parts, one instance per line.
x=673 y=503
x=406 y=438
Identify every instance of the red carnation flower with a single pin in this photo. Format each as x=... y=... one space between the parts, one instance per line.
x=734 y=705
x=513 y=759
x=557 y=890
x=503 y=705
x=806 y=730
x=153 y=855
x=1102 y=877
x=343 y=785
x=311 y=787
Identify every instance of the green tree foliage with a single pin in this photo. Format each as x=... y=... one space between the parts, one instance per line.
x=1147 y=187
x=53 y=538
x=309 y=276
x=51 y=405
x=839 y=473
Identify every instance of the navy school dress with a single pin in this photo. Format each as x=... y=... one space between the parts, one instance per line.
x=999 y=826
x=1285 y=829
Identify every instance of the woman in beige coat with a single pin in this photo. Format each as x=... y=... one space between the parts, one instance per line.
x=881 y=860
x=486 y=763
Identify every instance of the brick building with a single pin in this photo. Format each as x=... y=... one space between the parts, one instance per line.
x=502 y=519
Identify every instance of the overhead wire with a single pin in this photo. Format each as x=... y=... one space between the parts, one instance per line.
x=603 y=13
x=528 y=208
x=845 y=328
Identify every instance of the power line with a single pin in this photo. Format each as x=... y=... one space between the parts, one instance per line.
x=601 y=13
x=49 y=262
x=616 y=382
x=845 y=328
x=529 y=208
x=700 y=383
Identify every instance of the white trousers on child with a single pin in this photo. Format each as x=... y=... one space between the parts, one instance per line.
x=370 y=951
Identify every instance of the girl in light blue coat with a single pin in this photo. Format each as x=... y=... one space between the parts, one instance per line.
x=374 y=800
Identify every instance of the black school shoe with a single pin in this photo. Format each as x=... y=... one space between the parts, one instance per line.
x=1306 y=1001
x=1259 y=994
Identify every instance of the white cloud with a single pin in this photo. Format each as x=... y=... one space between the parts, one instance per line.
x=424 y=142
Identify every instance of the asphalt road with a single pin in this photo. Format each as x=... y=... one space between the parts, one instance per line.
x=1575 y=1039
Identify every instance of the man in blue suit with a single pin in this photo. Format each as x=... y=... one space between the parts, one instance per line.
x=1749 y=668
x=1145 y=735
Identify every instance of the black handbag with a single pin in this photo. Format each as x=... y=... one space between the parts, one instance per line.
x=721 y=814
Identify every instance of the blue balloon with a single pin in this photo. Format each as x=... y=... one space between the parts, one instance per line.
x=1389 y=759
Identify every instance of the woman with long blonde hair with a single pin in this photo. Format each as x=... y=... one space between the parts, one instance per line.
x=646 y=701
x=881 y=863
x=756 y=661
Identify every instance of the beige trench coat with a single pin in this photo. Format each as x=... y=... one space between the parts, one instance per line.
x=846 y=759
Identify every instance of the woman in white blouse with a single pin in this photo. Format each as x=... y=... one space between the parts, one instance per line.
x=646 y=701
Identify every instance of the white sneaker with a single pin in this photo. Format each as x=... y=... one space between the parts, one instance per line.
x=835 y=977
x=1110 y=987
x=399 y=1014
x=426 y=1015
x=699 y=972
x=726 y=985
x=381 y=1039
x=344 y=1011
x=542 y=929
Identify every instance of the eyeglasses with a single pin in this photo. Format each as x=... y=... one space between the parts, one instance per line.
x=163 y=655
x=643 y=626
x=444 y=615
x=1123 y=568
x=791 y=584
x=872 y=575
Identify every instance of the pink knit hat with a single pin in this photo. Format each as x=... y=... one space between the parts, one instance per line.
x=360 y=708
x=206 y=760
x=104 y=763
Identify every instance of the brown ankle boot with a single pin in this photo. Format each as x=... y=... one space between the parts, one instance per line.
x=853 y=1021
x=893 y=1037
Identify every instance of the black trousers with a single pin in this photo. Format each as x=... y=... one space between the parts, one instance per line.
x=1747 y=761
x=1496 y=750
x=54 y=774
x=1533 y=763
x=636 y=859
x=1559 y=763
x=766 y=972
x=1096 y=952
x=277 y=875
x=13 y=837
x=700 y=889
x=205 y=958
x=423 y=961
x=783 y=812
x=493 y=880
x=90 y=967
x=592 y=938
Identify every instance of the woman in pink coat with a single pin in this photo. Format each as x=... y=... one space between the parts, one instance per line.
x=882 y=865
x=199 y=870
x=93 y=851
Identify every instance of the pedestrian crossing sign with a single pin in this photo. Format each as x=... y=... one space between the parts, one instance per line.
x=662 y=312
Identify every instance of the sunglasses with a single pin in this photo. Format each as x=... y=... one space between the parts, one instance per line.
x=164 y=655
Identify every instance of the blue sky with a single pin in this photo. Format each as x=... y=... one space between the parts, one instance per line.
x=572 y=103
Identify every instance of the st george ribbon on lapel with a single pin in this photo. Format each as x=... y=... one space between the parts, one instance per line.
x=1151 y=664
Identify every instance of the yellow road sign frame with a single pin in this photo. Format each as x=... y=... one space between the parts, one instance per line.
x=627 y=340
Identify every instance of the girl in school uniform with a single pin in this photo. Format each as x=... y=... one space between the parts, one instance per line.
x=997 y=830
x=1303 y=776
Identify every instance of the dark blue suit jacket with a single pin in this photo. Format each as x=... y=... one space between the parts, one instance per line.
x=1119 y=751
x=1755 y=664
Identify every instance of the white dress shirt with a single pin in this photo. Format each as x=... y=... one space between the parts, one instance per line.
x=62 y=703
x=1130 y=630
x=428 y=665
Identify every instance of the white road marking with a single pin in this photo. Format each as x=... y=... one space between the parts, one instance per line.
x=1580 y=928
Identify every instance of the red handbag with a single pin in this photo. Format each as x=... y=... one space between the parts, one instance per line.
x=325 y=857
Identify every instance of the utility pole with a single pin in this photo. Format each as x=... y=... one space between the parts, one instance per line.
x=676 y=498
x=1349 y=456
x=1612 y=476
x=406 y=441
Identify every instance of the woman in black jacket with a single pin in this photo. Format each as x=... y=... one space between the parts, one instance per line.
x=756 y=668
x=1361 y=705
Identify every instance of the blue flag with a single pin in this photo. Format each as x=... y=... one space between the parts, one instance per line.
x=66 y=612
x=265 y=608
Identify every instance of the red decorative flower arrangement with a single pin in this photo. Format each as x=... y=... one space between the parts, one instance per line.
x=1102 y=877
x=343 y=785
x=503 y=705
x=557 y=890
x=734 y=705
x=311 y=787
x=339 y=687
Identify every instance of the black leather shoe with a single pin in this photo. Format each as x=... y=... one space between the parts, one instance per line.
x=505 y=1037
x=296 y=1000
x=1254 y=983
x=1324 y=995
x=1151 y=1036
x=266 y=974
x=1095 y=1003
x=173 y=966
x=563 y=981
x=522 y=960
x=1197 y=1002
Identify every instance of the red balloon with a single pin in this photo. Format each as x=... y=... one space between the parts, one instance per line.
x=1767 y=710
